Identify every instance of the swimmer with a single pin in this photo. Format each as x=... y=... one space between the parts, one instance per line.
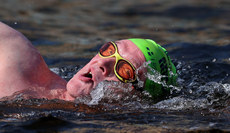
x=22 y=68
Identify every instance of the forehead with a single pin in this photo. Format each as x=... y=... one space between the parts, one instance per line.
x=128 y=50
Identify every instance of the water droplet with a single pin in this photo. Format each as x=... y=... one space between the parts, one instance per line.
x=211 y=124
x=214 y=60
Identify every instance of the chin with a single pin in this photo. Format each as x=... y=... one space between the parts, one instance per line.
x=73 y=88
x=78 y=88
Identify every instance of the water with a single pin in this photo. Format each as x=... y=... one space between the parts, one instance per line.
x=68 y=33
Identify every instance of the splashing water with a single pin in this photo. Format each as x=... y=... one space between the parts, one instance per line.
x=205 y=96
x=109 y=90
x=190 y=93
x=194 y=93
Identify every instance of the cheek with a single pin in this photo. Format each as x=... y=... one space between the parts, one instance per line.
x=112 y=77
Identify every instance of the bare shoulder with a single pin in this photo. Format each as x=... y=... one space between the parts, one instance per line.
x=11 y=38
x=15 y=47
x=18 y=60
x=16 y=51
x=22 y=66
x=9 y=34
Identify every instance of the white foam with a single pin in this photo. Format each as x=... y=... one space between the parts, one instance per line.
x=203 y=97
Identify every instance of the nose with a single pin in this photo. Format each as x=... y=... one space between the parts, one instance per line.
x=106 y=65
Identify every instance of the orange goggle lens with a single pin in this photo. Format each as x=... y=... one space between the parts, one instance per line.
x=107 y=49
x=125 y=70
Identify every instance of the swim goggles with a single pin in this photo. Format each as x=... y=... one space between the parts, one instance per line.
x=123 y=69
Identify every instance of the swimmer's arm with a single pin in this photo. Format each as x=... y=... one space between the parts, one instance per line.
x=22 y=64
x=10 y=37
x=18 y=55
x=15 y=48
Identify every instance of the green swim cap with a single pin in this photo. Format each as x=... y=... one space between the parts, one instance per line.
x=159 y=61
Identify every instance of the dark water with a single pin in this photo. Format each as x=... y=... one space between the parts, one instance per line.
x=68 y=33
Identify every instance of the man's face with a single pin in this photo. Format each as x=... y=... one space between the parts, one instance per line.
x=100 y=69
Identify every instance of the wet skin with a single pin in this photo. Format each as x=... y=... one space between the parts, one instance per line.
x=23 y=69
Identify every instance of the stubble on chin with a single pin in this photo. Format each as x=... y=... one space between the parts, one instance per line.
x=79 y=89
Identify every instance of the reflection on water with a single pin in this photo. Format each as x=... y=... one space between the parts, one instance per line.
x=68 y=33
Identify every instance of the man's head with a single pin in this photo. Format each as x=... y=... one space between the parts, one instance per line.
x=118 y=61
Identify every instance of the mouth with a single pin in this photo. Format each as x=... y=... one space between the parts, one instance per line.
x=89 y=75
